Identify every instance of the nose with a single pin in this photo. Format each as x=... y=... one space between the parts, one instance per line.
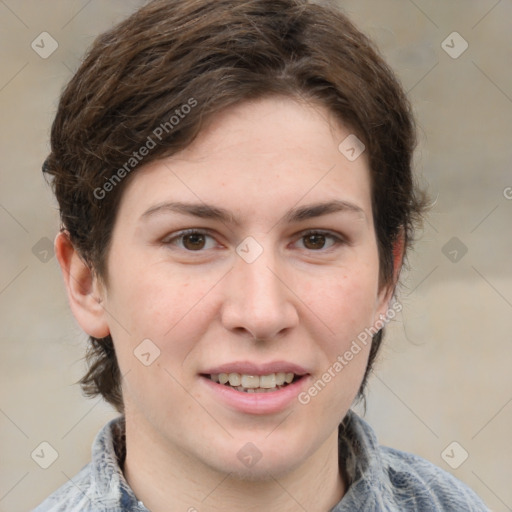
x=258 y=302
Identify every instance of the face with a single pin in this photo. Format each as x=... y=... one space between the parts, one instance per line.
x=249 y=255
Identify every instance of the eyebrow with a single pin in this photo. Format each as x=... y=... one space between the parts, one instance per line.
x=206 y=211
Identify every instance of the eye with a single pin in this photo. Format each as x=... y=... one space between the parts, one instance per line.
x=191 y=240
x=319 y=240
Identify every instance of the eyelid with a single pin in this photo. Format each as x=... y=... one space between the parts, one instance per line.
x=336 y=237
x=169 y=239
x=188 y=231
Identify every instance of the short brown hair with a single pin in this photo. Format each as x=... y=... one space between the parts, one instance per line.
x=209 y=55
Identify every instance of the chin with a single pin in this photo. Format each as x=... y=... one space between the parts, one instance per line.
x=262 y=471
x=259 y=460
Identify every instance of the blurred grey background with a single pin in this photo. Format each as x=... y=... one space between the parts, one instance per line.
x=442 y=387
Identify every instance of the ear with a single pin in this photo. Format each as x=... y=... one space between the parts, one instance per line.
x=386 y=294
x=398 y=256
x=83 y=288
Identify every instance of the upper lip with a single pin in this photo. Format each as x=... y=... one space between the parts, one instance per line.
x=250 y=368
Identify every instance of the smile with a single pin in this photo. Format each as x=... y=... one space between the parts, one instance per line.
x=255 y=383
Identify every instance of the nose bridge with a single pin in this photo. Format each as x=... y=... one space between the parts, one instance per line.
x=261 y=284
x=258 y=283
x=257 y=300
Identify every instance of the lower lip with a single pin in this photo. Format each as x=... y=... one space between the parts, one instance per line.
x=257 y=403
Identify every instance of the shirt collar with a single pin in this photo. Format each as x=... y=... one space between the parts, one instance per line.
x=361 y=459
x=108 y=455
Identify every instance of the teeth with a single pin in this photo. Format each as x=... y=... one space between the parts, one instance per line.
x=234 y=379
x=254 y=383
x=250 y=381
x=280 y=378
x=268 y=381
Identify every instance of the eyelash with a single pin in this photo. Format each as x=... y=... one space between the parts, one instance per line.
x=337 y=240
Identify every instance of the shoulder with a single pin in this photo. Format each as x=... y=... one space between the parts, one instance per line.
x=387 y=480
x=72 y=496
x=425 y=486
x=100 y=485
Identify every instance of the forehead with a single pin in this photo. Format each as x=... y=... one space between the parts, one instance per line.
x=269 y=128
x=256 y=157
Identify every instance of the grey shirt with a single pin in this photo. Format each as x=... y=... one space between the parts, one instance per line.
x=381 y=479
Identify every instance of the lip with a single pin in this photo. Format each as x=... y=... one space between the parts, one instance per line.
x=250 y=368
x=256 y=403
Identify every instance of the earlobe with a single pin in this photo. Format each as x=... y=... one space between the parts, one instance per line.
x=398 y=256
x=83 y=289
x=387 y=292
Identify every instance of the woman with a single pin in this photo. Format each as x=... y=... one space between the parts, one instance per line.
x=235 y=188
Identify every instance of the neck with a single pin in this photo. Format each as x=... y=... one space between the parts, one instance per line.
x=170 y=479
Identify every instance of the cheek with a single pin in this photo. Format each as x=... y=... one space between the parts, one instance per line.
x=159 y=304
x=345 y=304
x=173 y=313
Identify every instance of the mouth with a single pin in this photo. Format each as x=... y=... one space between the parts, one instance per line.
x=256 y=388
x=247 y=383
